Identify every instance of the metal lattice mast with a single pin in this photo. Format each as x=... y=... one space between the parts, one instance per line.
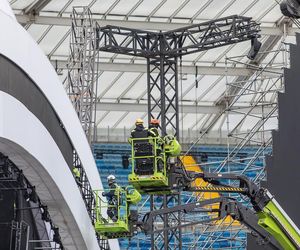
x=162 y=51
x=162 y=77
x=82 y=74
x=82 y=91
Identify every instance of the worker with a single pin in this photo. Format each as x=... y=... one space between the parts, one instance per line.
x=76 y=173
x=140 y=131
x=153 y=127
x=112 y=198
x=142 y=147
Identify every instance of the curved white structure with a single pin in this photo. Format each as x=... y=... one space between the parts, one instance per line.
x=30 y=96
x=47 y=170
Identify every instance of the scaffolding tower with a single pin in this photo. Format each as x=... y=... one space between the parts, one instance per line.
x=81 y=88
x=82 y=71
x=258 y=92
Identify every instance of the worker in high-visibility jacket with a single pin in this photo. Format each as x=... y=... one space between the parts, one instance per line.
x=154 y=126
x=112 y=198
x=76 y=173
x=140 y=131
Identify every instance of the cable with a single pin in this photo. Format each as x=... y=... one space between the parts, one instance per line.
x=196 y=94
x=181 y=96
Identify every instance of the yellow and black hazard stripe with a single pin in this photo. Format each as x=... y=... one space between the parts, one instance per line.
x=220 y=189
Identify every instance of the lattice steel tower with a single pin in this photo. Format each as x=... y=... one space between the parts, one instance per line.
x=82 y=72
x=162 y=51
x=82 y=90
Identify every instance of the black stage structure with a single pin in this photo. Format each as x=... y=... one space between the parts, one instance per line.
x=162 y=51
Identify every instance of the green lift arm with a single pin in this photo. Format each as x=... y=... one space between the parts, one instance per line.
x=271 y=216
x=274 y=220
x=227 y=206
x=165 y=175
x=268 y=220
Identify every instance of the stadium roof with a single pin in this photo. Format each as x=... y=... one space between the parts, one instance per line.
x=122 y=82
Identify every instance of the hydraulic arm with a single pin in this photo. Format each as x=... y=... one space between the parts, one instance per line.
x=227 y=207
x=271 y=216
x=155 y=169
x=268 y=220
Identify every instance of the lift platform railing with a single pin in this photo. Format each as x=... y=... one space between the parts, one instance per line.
x=102 y=205
x=118 y=206
x=149 y=148
x=148 y=158
x=115 y=216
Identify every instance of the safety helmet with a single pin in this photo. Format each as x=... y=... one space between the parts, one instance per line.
x=111 y=178
x=139 y=121
x=154 y=121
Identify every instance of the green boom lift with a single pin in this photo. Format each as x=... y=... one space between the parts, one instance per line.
x=150 y=157
x=155 y=170
x=126 y=217
x=267 y=220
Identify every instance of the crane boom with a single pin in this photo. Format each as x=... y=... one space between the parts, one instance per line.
x=268 y=220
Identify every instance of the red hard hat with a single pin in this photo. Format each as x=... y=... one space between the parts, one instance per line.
x=154 y=121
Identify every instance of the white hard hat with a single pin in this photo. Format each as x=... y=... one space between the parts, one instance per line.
x=111 y=178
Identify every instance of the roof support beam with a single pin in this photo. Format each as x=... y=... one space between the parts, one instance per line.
x=36 y=7
x=190 y=109
x=201 y=70
x=143 y=25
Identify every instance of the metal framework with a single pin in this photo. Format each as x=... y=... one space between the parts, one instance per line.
x=88 y=197
x=58 y=17
x=164 y=82
x=166 y=239
x=178 y=42
x=23 y=235
x=82 y=74
x=36 y=7
x=262 y=92
x=82 y=90
x=162 y=51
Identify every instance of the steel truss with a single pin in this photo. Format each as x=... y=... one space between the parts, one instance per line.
x=170 y=239
x=162 y=78
x=13 y=179
x=178 y=42
x=162 y=50
x=82 y=90
x=82 y=74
